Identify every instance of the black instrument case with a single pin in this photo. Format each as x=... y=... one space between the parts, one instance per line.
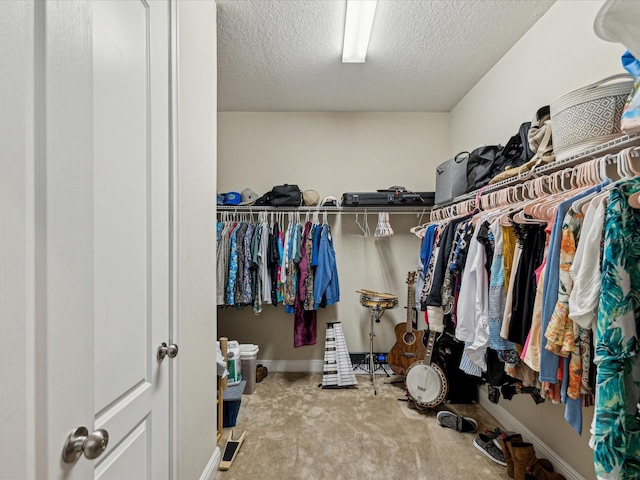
x=388 y=198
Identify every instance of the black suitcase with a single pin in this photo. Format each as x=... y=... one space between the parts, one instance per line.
x=388 y=198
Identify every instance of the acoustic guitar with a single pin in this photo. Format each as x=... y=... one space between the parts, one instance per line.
x=409 y=346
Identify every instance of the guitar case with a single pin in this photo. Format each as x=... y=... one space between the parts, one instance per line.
x=463 y=388
x=398 y=197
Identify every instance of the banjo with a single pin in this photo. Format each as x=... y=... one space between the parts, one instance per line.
x=425 y=382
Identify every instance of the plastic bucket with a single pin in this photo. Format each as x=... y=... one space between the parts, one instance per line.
x=234 y=363
x=249 y=356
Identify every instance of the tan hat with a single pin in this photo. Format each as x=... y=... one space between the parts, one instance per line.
x=310 y=198
x=248 y=197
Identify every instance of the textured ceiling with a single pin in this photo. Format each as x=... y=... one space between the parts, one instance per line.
x=285 y=55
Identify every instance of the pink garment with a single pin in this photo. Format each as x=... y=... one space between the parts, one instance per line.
x=305 y=322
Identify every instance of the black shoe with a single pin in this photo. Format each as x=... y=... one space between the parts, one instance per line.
x=456 y=422
x=486 y=446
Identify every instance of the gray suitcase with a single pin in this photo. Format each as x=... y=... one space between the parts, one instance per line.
x=451 y=178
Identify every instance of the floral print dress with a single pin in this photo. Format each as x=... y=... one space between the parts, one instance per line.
x=616 y=439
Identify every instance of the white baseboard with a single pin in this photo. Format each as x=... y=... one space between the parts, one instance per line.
x=306 y=366
x=542 y=449
x=211 y=470
x=314 y=366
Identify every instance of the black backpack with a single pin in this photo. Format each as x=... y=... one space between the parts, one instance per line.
x=282 y=196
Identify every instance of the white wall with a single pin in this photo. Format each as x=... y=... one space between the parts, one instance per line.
x=17 y=444
x=334 y=153
x=559 y=54
x=197 y=76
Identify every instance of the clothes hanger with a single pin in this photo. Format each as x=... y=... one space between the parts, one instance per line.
x=380 y=228
x=541 y=187
x=567 y=189
x=357 y=222
x=515 y=203
x=591 y=170
x=632 y=160
x=538 y=188
x=419 y=229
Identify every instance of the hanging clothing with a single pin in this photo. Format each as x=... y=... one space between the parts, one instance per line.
x=546 y=293
x=222 y=261
x=263 y=262
x=549 y=361
x=326 y=284
x=617 y=428
x=260 y=263
x=233 y=265
x=498 y=299
x=509 y=242
x=531 y=239
x=585 y=270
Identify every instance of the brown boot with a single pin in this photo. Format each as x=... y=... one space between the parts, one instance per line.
x=538 y=472
x=517 y=438
x=527 y=467
x=505 y=440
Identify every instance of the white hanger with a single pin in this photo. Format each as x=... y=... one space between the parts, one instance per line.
x=632 y=159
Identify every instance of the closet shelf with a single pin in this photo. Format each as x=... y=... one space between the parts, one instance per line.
x=612 y=146
x=330 y=210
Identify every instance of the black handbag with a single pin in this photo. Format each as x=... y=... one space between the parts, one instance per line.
x=284 y=196
x=480 y=166
x=516 y=152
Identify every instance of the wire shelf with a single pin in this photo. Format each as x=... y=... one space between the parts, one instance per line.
x=414 y=209
x=612 y=146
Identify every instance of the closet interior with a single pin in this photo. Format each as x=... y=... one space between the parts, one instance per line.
x=530 y=376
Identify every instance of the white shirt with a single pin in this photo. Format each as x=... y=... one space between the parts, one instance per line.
x=586 y=270
x=473 y=300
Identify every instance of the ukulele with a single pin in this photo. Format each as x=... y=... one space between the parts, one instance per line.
x=409 y=346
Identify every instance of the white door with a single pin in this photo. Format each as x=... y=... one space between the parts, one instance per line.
x=131 y=235
x=103 y=268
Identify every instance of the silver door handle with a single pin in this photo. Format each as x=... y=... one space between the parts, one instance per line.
x=167 y=351
x=80 y=441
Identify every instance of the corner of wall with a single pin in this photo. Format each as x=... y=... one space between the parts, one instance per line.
x=196 y=84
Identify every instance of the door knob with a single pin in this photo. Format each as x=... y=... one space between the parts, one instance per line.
x=80 y=441
x=167 y=351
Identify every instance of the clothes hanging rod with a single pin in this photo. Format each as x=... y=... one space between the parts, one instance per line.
x=332 y=210
x=612 y=146
x=466 y=206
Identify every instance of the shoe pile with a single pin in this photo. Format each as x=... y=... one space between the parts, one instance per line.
x=521 y=461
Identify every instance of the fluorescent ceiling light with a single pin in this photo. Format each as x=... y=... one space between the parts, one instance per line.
x=357 y=30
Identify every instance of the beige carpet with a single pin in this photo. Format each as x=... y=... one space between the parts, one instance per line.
x=298 y=431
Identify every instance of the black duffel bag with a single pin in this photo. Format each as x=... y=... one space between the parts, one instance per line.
x=284 y=196
x=486 y=162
